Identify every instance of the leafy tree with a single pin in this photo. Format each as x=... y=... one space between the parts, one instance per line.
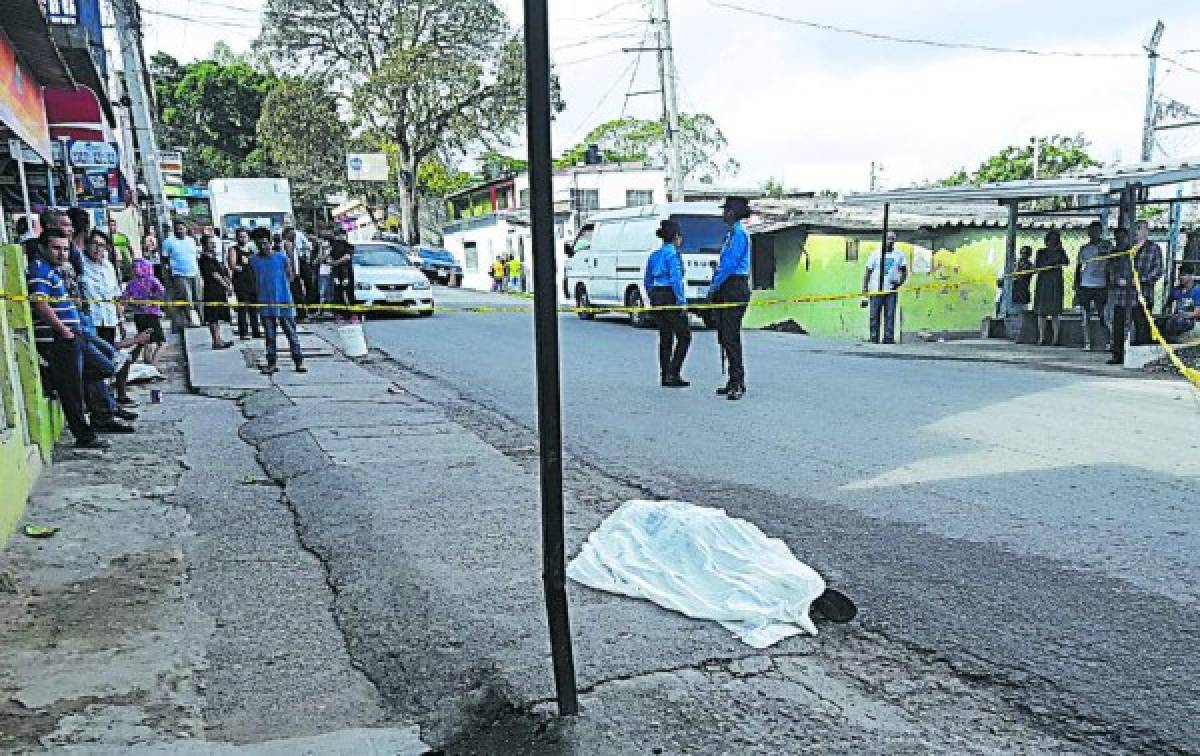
x=305 y=137
x=702 y=145
x=773 y=188
x=1057 y=155
x=494 y=164
x=438 y=180
x=211 y=111
x=431 y=77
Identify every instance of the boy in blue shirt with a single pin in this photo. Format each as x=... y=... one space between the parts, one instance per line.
x=1183 y=306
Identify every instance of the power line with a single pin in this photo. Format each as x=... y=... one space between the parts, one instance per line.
x=203 y=20
x=603 y=99
x=924 y=42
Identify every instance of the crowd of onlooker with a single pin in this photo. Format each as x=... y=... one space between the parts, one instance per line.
x=98 y=303
x=1113 y=278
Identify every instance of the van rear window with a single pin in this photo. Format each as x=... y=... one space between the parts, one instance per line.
x=701 y=233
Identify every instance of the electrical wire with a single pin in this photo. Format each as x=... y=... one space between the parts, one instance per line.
x=633 y=77
x=203 y=20
x=603 y=99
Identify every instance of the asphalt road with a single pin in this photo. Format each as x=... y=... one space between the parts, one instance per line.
x=1030 y=528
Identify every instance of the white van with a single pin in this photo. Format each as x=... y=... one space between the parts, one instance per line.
x=606 y=263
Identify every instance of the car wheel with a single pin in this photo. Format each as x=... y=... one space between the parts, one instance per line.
x=582 y=302
x=633 y=298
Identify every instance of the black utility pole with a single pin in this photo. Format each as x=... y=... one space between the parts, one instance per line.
x=545 y=322
x=883 y=251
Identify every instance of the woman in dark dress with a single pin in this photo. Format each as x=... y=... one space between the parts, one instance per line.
x=216 y=290
x=1048 y=298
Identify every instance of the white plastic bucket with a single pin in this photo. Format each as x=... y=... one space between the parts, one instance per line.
x=354 y=341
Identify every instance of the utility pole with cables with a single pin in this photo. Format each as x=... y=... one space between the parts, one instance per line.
x=668 y=79
x=1148 y=122
x=129 y=35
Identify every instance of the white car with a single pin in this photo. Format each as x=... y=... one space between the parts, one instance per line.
x=383 y=276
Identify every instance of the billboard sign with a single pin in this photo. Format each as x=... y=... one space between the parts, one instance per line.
x=93 y=154
x=22 y=108
x=367 y=166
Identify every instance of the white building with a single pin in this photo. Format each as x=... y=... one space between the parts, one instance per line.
x=491 y=219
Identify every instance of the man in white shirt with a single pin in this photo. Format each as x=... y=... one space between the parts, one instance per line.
x=895 y=273
x=183 y=257
x=99 y=285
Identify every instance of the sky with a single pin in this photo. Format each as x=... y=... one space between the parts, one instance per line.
x=813 y=108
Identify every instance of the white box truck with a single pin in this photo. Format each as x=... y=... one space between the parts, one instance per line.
x=250 y=203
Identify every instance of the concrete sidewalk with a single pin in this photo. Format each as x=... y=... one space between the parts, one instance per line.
x=175 y=611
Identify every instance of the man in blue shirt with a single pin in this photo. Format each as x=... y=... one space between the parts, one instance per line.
x=58 y=333
x=1183 y=307
x=731 y=284
x=183 y=256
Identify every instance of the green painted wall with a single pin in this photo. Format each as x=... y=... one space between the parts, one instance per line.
x=969 y=255
x=31 y=423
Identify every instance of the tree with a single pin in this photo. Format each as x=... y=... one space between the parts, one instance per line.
x=211 y=110
x=702 y=146
x=305 y=137
x=431 y=77
x=1057 y=155
x=774 y=188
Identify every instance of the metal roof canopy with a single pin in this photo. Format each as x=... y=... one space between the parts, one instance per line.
x=1101 y=183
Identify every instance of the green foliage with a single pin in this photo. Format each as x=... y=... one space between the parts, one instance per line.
x=431 y=77
x=1058 y=155
x=774 y=188
x=438 y=181
x=211 y=109
x=494 y=164
x=305 y=137
x=702 y=146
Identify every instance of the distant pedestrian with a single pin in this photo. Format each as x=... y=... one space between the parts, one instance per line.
x=1022 y=295
x=183 y=258
x=731 y=286
x=124 y=250
x=244 y=288
x=498 y=274
x=1091 y=280
x=515 y=273
x=341 y=266
x=272 y=276
x=142 y=296
x=665 y=286
x=1129 y=275
x=1048 y=296
x=1183 y=307
x=217 y=288
x=884 y=301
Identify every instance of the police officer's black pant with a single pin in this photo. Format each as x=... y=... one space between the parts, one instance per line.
x=65 y=359
x=674 y=333
x=729 y=324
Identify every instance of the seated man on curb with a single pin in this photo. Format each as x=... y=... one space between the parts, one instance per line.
x=1183 y=308
x=58 y=333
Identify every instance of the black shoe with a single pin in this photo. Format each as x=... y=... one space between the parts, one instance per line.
x=125 y=401
x=93 y=443
x=125 y=414
x=1116 y=361
x=268 y=369
x=724 y=390
x=674 y=381
x=112 y=426
x=834 y=606
x=735 y=392
x=300 y=368
x=889 y=341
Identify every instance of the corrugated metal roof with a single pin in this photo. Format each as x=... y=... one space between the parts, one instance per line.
x=1101 y=182
x=778 y=215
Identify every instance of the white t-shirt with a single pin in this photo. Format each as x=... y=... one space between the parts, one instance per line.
x=99 y=283
x=895 y=262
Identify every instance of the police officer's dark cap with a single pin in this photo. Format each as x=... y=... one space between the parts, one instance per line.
x=740 y=206
x=668 y=230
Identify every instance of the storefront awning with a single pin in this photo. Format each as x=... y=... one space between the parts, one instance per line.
x=77 y=115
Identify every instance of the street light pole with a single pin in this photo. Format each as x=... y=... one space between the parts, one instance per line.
x=545 y=322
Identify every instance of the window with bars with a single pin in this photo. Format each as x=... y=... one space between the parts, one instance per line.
x=585 y=199
x=62 y=12
x=638 y=197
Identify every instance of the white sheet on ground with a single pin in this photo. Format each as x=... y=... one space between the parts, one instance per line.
x=140 y=372
x=704 y=564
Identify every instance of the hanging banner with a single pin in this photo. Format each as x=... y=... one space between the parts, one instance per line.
x=22 y=109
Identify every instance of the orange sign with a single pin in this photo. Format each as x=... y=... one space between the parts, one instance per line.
x=22 y=109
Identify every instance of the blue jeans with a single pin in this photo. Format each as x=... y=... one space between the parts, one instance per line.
x=272 y=324
x=98 y=367
x=885 y=305
x=325 y=288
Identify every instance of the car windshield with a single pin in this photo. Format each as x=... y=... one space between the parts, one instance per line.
x=233 y=221
x=380 y=256
x=701 y=233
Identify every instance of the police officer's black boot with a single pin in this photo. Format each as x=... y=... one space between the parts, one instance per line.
x=674 y=381
x=736 y=391
x=724 y=390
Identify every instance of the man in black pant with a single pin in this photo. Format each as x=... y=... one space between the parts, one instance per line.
x=731 y=286
x=58 y=334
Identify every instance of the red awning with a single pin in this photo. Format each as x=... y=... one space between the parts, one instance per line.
x=76 y=115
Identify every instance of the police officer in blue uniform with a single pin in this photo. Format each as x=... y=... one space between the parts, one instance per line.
x=731 y=284
x=664 y=284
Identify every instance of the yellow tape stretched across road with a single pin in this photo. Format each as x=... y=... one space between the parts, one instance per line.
x=1192 y=375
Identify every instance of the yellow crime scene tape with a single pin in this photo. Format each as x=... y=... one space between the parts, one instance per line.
x=1190 y=374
